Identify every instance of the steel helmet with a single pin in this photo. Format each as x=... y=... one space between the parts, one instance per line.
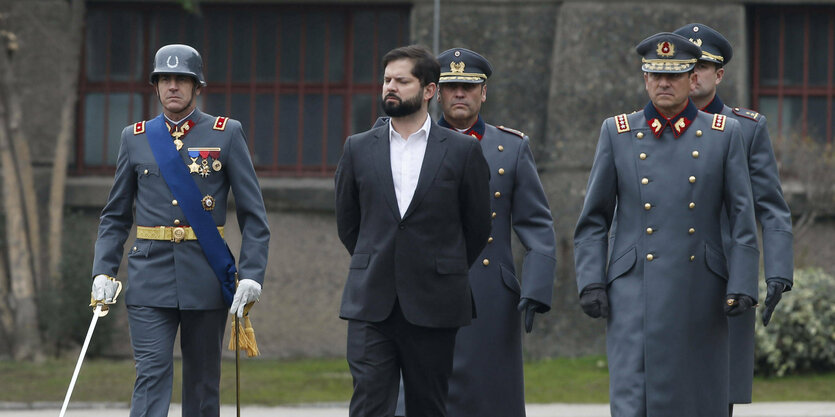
x=178 y=59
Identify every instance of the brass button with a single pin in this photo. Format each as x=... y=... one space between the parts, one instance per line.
x=134 y=248
x=176 y=222
x=501 y=148
x=692 y=258
x=642 y=156
x=647 y=206
x=485 y=262
x=692 y=205
x=649 y=230
x=640 y=135
x=146 y=172
x=490 y=239
x=497 y=194
x=501 y=171
x=174 y=202
x=494 y=214
x=691 y=230
x=698 y=133
x=650 y=257
x=692 y=179
x=695 y=154
x=645 y=180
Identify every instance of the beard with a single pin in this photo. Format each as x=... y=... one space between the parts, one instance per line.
x=402 y=108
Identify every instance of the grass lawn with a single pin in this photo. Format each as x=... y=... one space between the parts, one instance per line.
x=275 y=382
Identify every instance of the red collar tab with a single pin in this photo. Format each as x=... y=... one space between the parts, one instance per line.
x=177 y=132
x=678 y=123
x=476 y=130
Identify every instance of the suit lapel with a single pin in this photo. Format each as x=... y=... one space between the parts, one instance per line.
x=382 y=163
x=435 y=152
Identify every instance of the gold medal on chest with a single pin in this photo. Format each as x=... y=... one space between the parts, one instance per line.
x=193 y=167
x=208 y=203
x=216 y=165
x=204 y=169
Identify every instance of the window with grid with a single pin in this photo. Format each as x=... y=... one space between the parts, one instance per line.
x=792 y=83
x=299 y=78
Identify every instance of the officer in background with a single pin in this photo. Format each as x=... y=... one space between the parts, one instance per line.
x=487 y=375
x=171 y=284
x=770 y=207
x=666 y=173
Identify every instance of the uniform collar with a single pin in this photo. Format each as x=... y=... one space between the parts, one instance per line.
x=476 y=130
x=182 y=126
x=678 y=123
x=715 y=106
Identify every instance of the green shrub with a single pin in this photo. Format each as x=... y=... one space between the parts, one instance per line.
x=801 y=334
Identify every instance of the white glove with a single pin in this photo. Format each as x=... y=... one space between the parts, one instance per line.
x=248 y=291
x=104 y=288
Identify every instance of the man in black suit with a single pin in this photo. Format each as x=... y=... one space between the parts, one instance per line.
x=413 y=210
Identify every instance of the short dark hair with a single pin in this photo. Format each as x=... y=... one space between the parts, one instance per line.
x=426 y=68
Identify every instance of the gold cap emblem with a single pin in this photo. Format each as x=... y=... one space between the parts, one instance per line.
x=457 y=67
x=666 y=49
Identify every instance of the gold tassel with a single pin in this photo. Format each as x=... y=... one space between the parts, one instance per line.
x=246 y=341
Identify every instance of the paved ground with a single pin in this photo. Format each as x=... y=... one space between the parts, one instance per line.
x=783 y=409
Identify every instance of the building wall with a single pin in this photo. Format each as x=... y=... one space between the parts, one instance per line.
x=560 y=68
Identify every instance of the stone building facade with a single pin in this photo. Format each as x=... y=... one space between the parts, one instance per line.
x=560 y=68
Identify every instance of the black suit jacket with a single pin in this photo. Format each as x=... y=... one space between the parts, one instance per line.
x=422 y=259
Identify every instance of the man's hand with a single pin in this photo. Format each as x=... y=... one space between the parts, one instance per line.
x=738 y=304
x=104 y=288
x=248 y=291
x=530 y=307
x=774 y=295
x=595 y=301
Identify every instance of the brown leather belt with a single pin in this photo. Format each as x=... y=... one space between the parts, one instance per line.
x=174 y=234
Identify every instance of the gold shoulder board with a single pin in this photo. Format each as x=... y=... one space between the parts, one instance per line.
x=513 y=131
x=622 y=123
x=746 y=113
x=139 y=128
x=718 y=122
x=220 y=123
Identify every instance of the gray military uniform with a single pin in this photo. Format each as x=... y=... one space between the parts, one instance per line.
x=173 y=282
x=774 y=216
x=667 y=277
x=487 y=377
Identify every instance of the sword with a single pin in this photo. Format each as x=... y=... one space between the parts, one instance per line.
x=101 y=310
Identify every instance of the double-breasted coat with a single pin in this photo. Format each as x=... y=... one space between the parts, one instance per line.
x=487 y=377
x=774 y=217
x=666 y=182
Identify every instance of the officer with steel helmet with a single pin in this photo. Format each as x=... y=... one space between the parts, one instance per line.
x=665 y=174
x=171 y=282
x=771 y=209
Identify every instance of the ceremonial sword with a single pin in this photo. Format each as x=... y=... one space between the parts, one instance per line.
x=101 y=310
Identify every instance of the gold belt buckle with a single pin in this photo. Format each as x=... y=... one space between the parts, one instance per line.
x=178 y=234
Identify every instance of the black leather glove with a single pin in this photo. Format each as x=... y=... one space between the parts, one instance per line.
x=774 y=295
x=530 y=307
x=737 y=304
x=595 y=301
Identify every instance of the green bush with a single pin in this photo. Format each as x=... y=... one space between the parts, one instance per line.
x=801 y=334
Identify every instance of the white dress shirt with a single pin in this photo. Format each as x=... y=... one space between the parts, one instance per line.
x=406 y=161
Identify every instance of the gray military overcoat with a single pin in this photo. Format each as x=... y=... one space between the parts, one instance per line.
x=774 y=217
x=487 y=378
x=667 y=277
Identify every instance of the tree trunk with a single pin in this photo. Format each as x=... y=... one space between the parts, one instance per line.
x=26 y=339
x=69 y=80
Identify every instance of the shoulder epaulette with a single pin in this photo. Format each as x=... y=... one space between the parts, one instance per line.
x=220 y=123
x=139 y=128
x=622 y=123
x=718 y=122
x=513 y=131
x=746 y=113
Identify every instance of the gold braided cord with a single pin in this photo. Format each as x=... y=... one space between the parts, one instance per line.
x=706 y=54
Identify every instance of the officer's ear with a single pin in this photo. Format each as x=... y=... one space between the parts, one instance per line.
x=720 y=74
x=484 y=91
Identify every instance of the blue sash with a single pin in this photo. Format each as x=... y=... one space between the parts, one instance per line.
x=182 y=185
